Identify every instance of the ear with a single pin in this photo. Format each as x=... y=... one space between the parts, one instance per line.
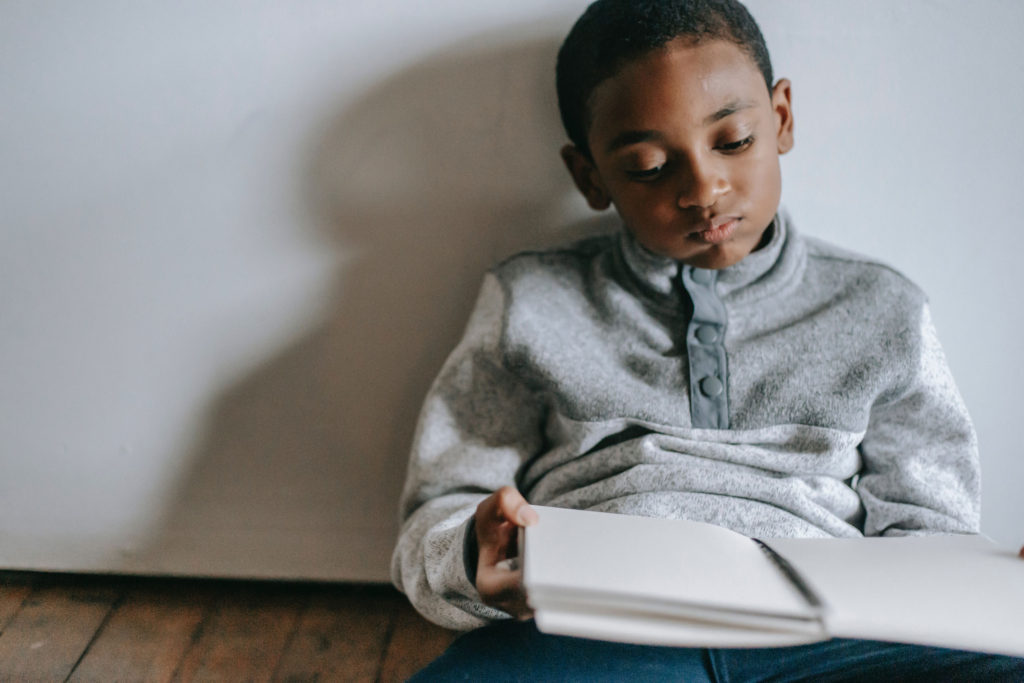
x=586 y=177
x=782 y=105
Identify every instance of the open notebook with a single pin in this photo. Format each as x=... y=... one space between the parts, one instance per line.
x=673 y=582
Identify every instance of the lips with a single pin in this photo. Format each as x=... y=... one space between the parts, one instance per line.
x=717 y=229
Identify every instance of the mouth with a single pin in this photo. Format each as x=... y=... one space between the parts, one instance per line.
x=716 y=230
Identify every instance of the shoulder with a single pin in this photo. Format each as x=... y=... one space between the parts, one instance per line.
x=555 y=298
x=855 y=272
x=563 y=267
x=875 y=314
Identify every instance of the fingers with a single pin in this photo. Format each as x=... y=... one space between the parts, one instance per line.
x=499 y=578
x=506 y=505
x=501 y=585
x=498 y=518
x=496 y=541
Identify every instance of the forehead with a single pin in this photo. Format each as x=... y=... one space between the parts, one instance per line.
x=681 y=84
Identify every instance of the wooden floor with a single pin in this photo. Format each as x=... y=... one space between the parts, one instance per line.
x=75 y=628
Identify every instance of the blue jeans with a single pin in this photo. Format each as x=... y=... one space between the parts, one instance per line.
x=517 y=651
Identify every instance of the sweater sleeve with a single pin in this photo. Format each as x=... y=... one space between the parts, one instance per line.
x=920 y=457
x=478 y=425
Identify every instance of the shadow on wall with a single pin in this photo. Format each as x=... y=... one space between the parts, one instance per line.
x=427 y=180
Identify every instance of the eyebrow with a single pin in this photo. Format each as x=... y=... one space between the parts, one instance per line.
x=728 y=110
x=633 y=137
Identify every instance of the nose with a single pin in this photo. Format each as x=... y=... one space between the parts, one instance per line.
x=702 y=182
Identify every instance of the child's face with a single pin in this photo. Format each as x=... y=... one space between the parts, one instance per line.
x=685 y=142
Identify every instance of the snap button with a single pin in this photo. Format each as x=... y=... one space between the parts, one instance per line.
x=706 y=334
x=711 y=387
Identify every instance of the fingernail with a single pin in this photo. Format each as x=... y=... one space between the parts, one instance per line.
x=527 y=515
x=511 y=564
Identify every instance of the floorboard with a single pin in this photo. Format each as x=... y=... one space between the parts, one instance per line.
x=48 y=634
x=147 y=635
x=414 y=643
x=86 y=629
x=12 y=596
x=342 y=637
x=244 y=637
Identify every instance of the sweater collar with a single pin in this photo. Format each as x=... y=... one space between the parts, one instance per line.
x=760 y=274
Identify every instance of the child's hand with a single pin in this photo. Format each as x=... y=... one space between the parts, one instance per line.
x=500 y=582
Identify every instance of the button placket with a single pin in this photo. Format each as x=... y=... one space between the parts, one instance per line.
x=705 y=342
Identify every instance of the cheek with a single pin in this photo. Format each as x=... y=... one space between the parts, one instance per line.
x=774 y=184
x=643 y=205
x=762 y=181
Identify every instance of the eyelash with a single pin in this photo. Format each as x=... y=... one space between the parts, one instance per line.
x=649 y=174
x=645 y=175
x=738 y=145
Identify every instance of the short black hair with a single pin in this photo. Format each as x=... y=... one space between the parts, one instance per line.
x=611 y=33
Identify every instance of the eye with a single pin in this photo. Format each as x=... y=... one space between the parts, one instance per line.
x=645 y=175
x=737 y=146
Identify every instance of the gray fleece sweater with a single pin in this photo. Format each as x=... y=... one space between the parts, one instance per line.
x=800 y=392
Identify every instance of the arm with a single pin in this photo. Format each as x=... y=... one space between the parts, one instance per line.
x=921 y=472
x=478 y=425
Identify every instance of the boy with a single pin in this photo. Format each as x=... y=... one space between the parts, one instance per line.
x=708 y=363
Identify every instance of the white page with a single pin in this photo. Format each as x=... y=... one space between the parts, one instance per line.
x=654 y=630
x=574 y=552
x=950 y=591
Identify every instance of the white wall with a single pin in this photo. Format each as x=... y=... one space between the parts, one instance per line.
x=238 y=239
